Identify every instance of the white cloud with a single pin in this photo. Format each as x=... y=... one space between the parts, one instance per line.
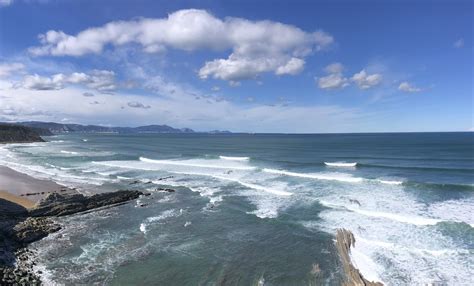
x=4 y=3
x=136 y=104
x=334 y=68
x=407 y=87
x=7 y=69
x=100 y=80
x=293 y=66
x=332 y=81
x=174 y=104
x=257 y=46
x=366 y=81
x=459 y=43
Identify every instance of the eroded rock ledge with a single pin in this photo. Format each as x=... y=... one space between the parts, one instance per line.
x=19 y=229
x=57 y=204
x=344 y=241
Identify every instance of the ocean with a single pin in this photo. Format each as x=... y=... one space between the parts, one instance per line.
x=259 y=209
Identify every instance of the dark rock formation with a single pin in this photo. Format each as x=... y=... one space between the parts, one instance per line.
x=65 y=204
x=18 y=134
x=33 y=229
x=344 y=241
x=19 y=227
x=165 y=190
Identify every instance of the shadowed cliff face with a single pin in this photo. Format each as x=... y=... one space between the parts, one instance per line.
x=18 y=134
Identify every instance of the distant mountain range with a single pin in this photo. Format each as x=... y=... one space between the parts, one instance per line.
x=78 y=128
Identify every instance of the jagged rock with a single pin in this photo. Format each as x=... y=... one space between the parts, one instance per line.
x=33 y=229
x=57 y=204
x=344 y=241
x=165 y=190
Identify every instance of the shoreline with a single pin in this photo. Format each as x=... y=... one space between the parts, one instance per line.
x=25 y=189
x=27 y=206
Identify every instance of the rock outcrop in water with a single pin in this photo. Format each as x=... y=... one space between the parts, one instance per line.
x=56 y=204
x=344 y=241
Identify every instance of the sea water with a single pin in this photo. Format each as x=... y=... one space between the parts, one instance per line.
x=253 y=209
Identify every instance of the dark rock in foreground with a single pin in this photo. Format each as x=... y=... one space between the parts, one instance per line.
x=344 y=241
x=62 y=204
x=18 y=229
x=33 y=229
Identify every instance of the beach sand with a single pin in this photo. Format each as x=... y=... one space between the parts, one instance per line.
x=25 y=190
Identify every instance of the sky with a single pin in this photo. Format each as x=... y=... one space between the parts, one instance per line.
x=244 y=66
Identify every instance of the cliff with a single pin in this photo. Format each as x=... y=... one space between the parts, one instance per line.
x=19 y=134
x=344 y=241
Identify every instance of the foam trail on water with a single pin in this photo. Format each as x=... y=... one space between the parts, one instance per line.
x=387 y=182
x=420 y=221
x=340 y=164
x=68 y=152
x=195 y=163
x=330 y=177
x=245 y=184
x=234 y=158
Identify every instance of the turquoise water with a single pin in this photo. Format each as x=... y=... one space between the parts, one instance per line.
x=260 y=209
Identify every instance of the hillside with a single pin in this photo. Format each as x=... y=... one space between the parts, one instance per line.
x=18 y=134
x=77 y=128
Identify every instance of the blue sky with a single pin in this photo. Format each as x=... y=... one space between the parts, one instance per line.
x=256 y=66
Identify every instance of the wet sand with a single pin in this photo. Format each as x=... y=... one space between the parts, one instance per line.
x=25 y=190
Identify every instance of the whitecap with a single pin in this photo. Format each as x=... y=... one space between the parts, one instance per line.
x=340 y=164
x=318 y=176
x=197 y=163
x=234 y=158
x=68 y=152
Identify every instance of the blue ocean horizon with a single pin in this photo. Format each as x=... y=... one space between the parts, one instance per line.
x=249 y=208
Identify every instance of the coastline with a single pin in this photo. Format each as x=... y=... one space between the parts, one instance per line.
x=27 y=208
x=24 y=189
x=25 y=214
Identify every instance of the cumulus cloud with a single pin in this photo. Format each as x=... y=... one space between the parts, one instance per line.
x=257 y=46
x=136 y=104
x=459 y=43
x=8 y=68
x=88 y=94
x=365 y=80
x=407 y=87
x=100 y=80
x=334 y=79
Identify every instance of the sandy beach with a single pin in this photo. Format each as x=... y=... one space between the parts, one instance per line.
x=25 y=190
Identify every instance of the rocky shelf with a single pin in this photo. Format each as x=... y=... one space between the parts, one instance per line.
x=19 y=228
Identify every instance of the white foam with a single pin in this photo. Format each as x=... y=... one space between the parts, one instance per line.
x=455 y=210
x=143 y=227
x=198 y=163
x=366 y=265
x=317 y=176
x=234 y=158
x=68 y=152
x=387 y=182
x=416 y=220
x=84 y=140
x=340 y=164
x=164 y=215
x=245 y=184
